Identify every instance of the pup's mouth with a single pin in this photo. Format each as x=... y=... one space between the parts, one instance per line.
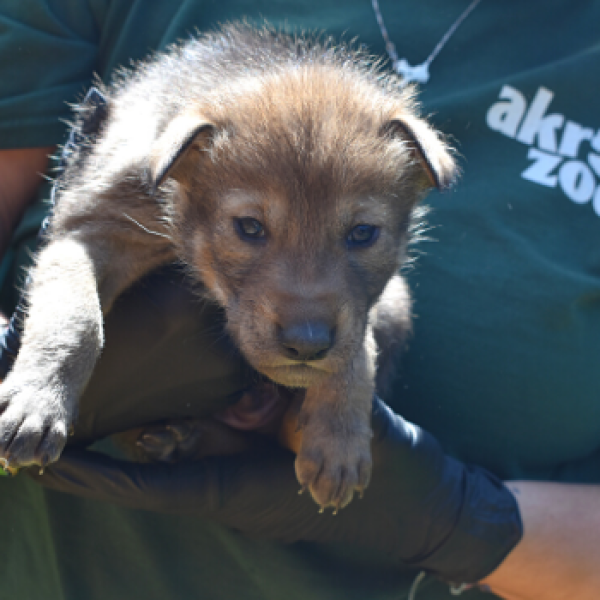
x=259 y=409
x=295 y=375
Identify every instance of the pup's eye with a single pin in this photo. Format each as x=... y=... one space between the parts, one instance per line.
x=249 y=228
x=362 y=235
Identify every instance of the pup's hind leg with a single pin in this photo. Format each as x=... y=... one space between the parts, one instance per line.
x=391 y=322
x=178 y=440
x=250 y=424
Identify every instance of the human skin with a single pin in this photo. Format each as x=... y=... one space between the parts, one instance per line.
x=21 y=172
x=558 y=557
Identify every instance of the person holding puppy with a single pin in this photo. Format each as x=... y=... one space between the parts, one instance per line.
x=499 y=371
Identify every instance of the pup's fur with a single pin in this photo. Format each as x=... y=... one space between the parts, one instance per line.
x=310 y=140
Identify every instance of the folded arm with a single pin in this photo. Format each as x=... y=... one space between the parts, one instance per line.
x=558 y=557
x=21 y=173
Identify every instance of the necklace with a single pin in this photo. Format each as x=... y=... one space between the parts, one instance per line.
x=418 y=73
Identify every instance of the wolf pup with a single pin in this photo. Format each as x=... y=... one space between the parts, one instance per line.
x=283 y=172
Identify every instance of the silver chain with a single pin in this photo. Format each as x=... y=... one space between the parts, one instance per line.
x=419 y=72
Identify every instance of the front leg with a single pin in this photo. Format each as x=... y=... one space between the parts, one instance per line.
x=334 y=459
x=73 y=280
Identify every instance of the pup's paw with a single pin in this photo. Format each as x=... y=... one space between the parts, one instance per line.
x=334 y=467
x=178 y=440
x=169 y=442
x=33 y=425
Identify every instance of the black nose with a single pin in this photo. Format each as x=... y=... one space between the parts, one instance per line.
x=306 y=341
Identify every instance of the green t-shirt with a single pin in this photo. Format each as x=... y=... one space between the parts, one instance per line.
x=502 y=368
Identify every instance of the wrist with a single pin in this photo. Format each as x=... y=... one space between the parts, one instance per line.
x=488 y=526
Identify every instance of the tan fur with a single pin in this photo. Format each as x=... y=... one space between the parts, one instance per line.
x=309 y=141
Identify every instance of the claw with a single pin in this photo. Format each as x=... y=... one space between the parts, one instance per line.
x=10 y=471
x=301 y=490
x=175 y=431
x=321 y=510
x=71 y=430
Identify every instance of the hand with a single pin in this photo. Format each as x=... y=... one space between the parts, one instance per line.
x=423 y=508
x=161 y=342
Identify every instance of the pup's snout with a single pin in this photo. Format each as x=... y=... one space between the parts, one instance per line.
x=306 y=341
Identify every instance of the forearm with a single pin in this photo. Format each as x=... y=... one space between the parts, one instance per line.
x=558 y=557
x=21 y=174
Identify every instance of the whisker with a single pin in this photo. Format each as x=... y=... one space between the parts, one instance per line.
x=145 y=228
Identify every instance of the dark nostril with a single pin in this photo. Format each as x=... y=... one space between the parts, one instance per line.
x=306 y=341
x=321 y=354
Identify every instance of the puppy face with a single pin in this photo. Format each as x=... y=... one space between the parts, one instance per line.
x=297 y=284
x=292 y=207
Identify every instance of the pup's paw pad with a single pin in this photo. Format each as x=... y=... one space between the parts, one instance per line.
x=333 y=473
x=33 y=427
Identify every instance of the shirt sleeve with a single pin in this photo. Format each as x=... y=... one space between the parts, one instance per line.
x=49 y=54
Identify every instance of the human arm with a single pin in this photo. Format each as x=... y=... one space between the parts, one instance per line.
x=50 y=56
x=48 y=62
x=558 y=557
x=423 y=509
x=258 y=494
x=21 y=173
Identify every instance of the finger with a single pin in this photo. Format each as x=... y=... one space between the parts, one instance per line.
x=182 y=488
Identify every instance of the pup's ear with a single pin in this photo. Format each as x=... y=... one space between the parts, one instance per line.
x=432 y=153
x=186 y=132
